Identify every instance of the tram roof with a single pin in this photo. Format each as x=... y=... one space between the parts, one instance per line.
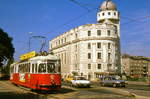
x=50 y=57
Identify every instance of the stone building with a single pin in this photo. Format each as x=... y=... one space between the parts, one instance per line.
x=136 y=66
x=91 y=50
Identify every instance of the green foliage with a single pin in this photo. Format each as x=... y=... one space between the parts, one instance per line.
x=6 y=47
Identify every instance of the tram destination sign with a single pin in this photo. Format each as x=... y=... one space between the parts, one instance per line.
x=27 y=55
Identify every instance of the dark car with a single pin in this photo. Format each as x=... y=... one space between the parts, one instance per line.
x=112 y=81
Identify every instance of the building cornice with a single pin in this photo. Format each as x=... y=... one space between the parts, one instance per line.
x=85 y=39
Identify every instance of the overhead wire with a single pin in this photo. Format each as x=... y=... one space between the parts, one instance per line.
x=90 y=10
x=137 y=19
x=79 y=4
x=71 y=20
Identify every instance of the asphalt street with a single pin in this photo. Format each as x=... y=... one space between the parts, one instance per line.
x=10 y=91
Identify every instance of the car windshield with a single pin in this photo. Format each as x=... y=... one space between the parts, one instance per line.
x=80 y=78
x=110 y=78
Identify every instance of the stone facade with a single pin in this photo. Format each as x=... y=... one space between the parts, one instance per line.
x=91 y=50
x=136 y=66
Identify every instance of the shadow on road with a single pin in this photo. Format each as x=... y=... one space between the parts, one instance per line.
x=62 y=91
x=13 y=95
x=32 y=94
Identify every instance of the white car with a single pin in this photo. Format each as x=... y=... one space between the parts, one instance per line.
x=80 y=81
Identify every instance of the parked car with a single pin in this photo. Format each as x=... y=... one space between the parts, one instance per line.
x=80 y=81
x=68 y=79
x=112 y=81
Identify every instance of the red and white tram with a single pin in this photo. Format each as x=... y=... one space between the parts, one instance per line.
x=39 y=73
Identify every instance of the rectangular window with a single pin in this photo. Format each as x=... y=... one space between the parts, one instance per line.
x=62 y=41
x=109 y=55
x=89 y=33
x=98 y=45
x=109 y=45
x=99 y=32
x=76 y=47
x=89 y=66
x=89 y=55
x=108 y=32
x=59 y=41
x=98 y=55
x=56 y=43
x=65 y=58
x=109 y=13
x=65 y=40
x=98 y=66
x=89 y=45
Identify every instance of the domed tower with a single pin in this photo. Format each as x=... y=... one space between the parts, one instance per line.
x=108 y=16
x=108 y=13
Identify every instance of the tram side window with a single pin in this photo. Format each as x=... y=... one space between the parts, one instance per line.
x=36 y=68
x=42 y=68
x=28 y=67
x=33 y=66
x=20 y=68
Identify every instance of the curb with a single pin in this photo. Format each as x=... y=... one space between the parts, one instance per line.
x=126 y=93
x=138 y=97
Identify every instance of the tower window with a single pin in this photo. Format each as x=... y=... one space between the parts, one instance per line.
x=98 y=66
x=108 y=32
x=89 y=66
x=89 y=55
x=98 y=55
x=109 y=13
x=76 y=35
x=98 y=45
x=114 y=13
x=89 y=45
x=98 y=32
x=89 y=33
x=103 y=14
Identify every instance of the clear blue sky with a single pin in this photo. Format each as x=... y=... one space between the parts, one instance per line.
x=49 y=18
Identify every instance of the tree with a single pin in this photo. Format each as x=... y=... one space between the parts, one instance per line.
x=6 y=48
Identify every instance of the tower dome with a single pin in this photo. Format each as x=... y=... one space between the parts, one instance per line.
x=108 y=5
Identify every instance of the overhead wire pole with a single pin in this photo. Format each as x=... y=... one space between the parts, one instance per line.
x=42 y=44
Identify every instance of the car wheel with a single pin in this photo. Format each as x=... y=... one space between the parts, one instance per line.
x=102 y=84
x=124 y=86
x=114 y=85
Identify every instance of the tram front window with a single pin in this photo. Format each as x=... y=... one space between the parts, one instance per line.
x=42 y=68
x=53 y=67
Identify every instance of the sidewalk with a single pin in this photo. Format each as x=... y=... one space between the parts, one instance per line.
x=137 y=82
